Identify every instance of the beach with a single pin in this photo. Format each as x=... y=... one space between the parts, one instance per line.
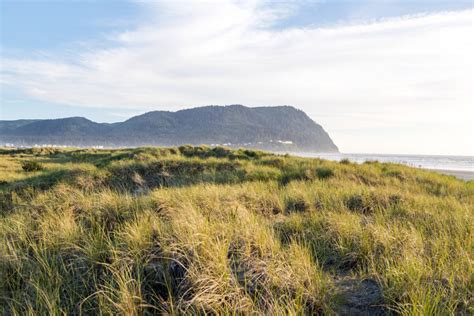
x=461 y=167
x=461 y=174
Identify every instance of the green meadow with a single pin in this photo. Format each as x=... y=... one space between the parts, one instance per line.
x=201 y=230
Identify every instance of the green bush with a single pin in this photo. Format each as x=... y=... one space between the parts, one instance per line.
x=219 y=152
x=345 y=161
x=30 y=166
x=324 y=173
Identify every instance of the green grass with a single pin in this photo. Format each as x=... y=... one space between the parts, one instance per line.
x=213 y=230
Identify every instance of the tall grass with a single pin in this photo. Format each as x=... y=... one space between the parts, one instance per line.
x=211 y=230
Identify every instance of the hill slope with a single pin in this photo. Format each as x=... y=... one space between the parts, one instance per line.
x=273 y=128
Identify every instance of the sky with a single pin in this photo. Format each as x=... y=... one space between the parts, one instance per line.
x=379 y=76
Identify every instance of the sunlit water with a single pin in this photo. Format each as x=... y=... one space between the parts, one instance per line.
x=458 y=163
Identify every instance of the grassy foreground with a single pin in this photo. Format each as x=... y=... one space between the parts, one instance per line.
x=211 y=230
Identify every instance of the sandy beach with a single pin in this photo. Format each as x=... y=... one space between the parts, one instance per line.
x=465 y=175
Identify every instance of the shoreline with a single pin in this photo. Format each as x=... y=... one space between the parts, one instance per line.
x=460 y=174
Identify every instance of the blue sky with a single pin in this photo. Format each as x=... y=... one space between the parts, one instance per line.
x=35 y=25
x=380 y=76
x=32 y=25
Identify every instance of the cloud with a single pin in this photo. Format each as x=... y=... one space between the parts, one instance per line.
x=393 y=73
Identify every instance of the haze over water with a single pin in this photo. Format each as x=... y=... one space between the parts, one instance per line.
x=437 y=162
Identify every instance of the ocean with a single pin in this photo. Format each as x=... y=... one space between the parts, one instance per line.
x=454 y=163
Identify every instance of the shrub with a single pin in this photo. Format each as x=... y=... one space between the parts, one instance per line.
x=219 y=152
x=324 y=173
x=30 y=166
x=345 y=161
x=206 y=152
x=251 y=153
x=295 y=173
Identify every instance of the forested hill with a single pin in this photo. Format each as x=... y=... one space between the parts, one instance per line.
x=271 y=128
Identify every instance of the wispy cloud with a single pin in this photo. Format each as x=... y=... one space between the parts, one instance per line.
x=393 y=73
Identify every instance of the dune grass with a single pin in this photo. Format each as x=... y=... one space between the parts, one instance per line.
x=212 y=230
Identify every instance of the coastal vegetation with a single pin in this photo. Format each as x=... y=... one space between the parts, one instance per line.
x=197 y=229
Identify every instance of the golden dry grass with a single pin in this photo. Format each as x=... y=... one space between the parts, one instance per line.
x=201 y=230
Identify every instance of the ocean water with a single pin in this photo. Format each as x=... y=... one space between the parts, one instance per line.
x=457 y=163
